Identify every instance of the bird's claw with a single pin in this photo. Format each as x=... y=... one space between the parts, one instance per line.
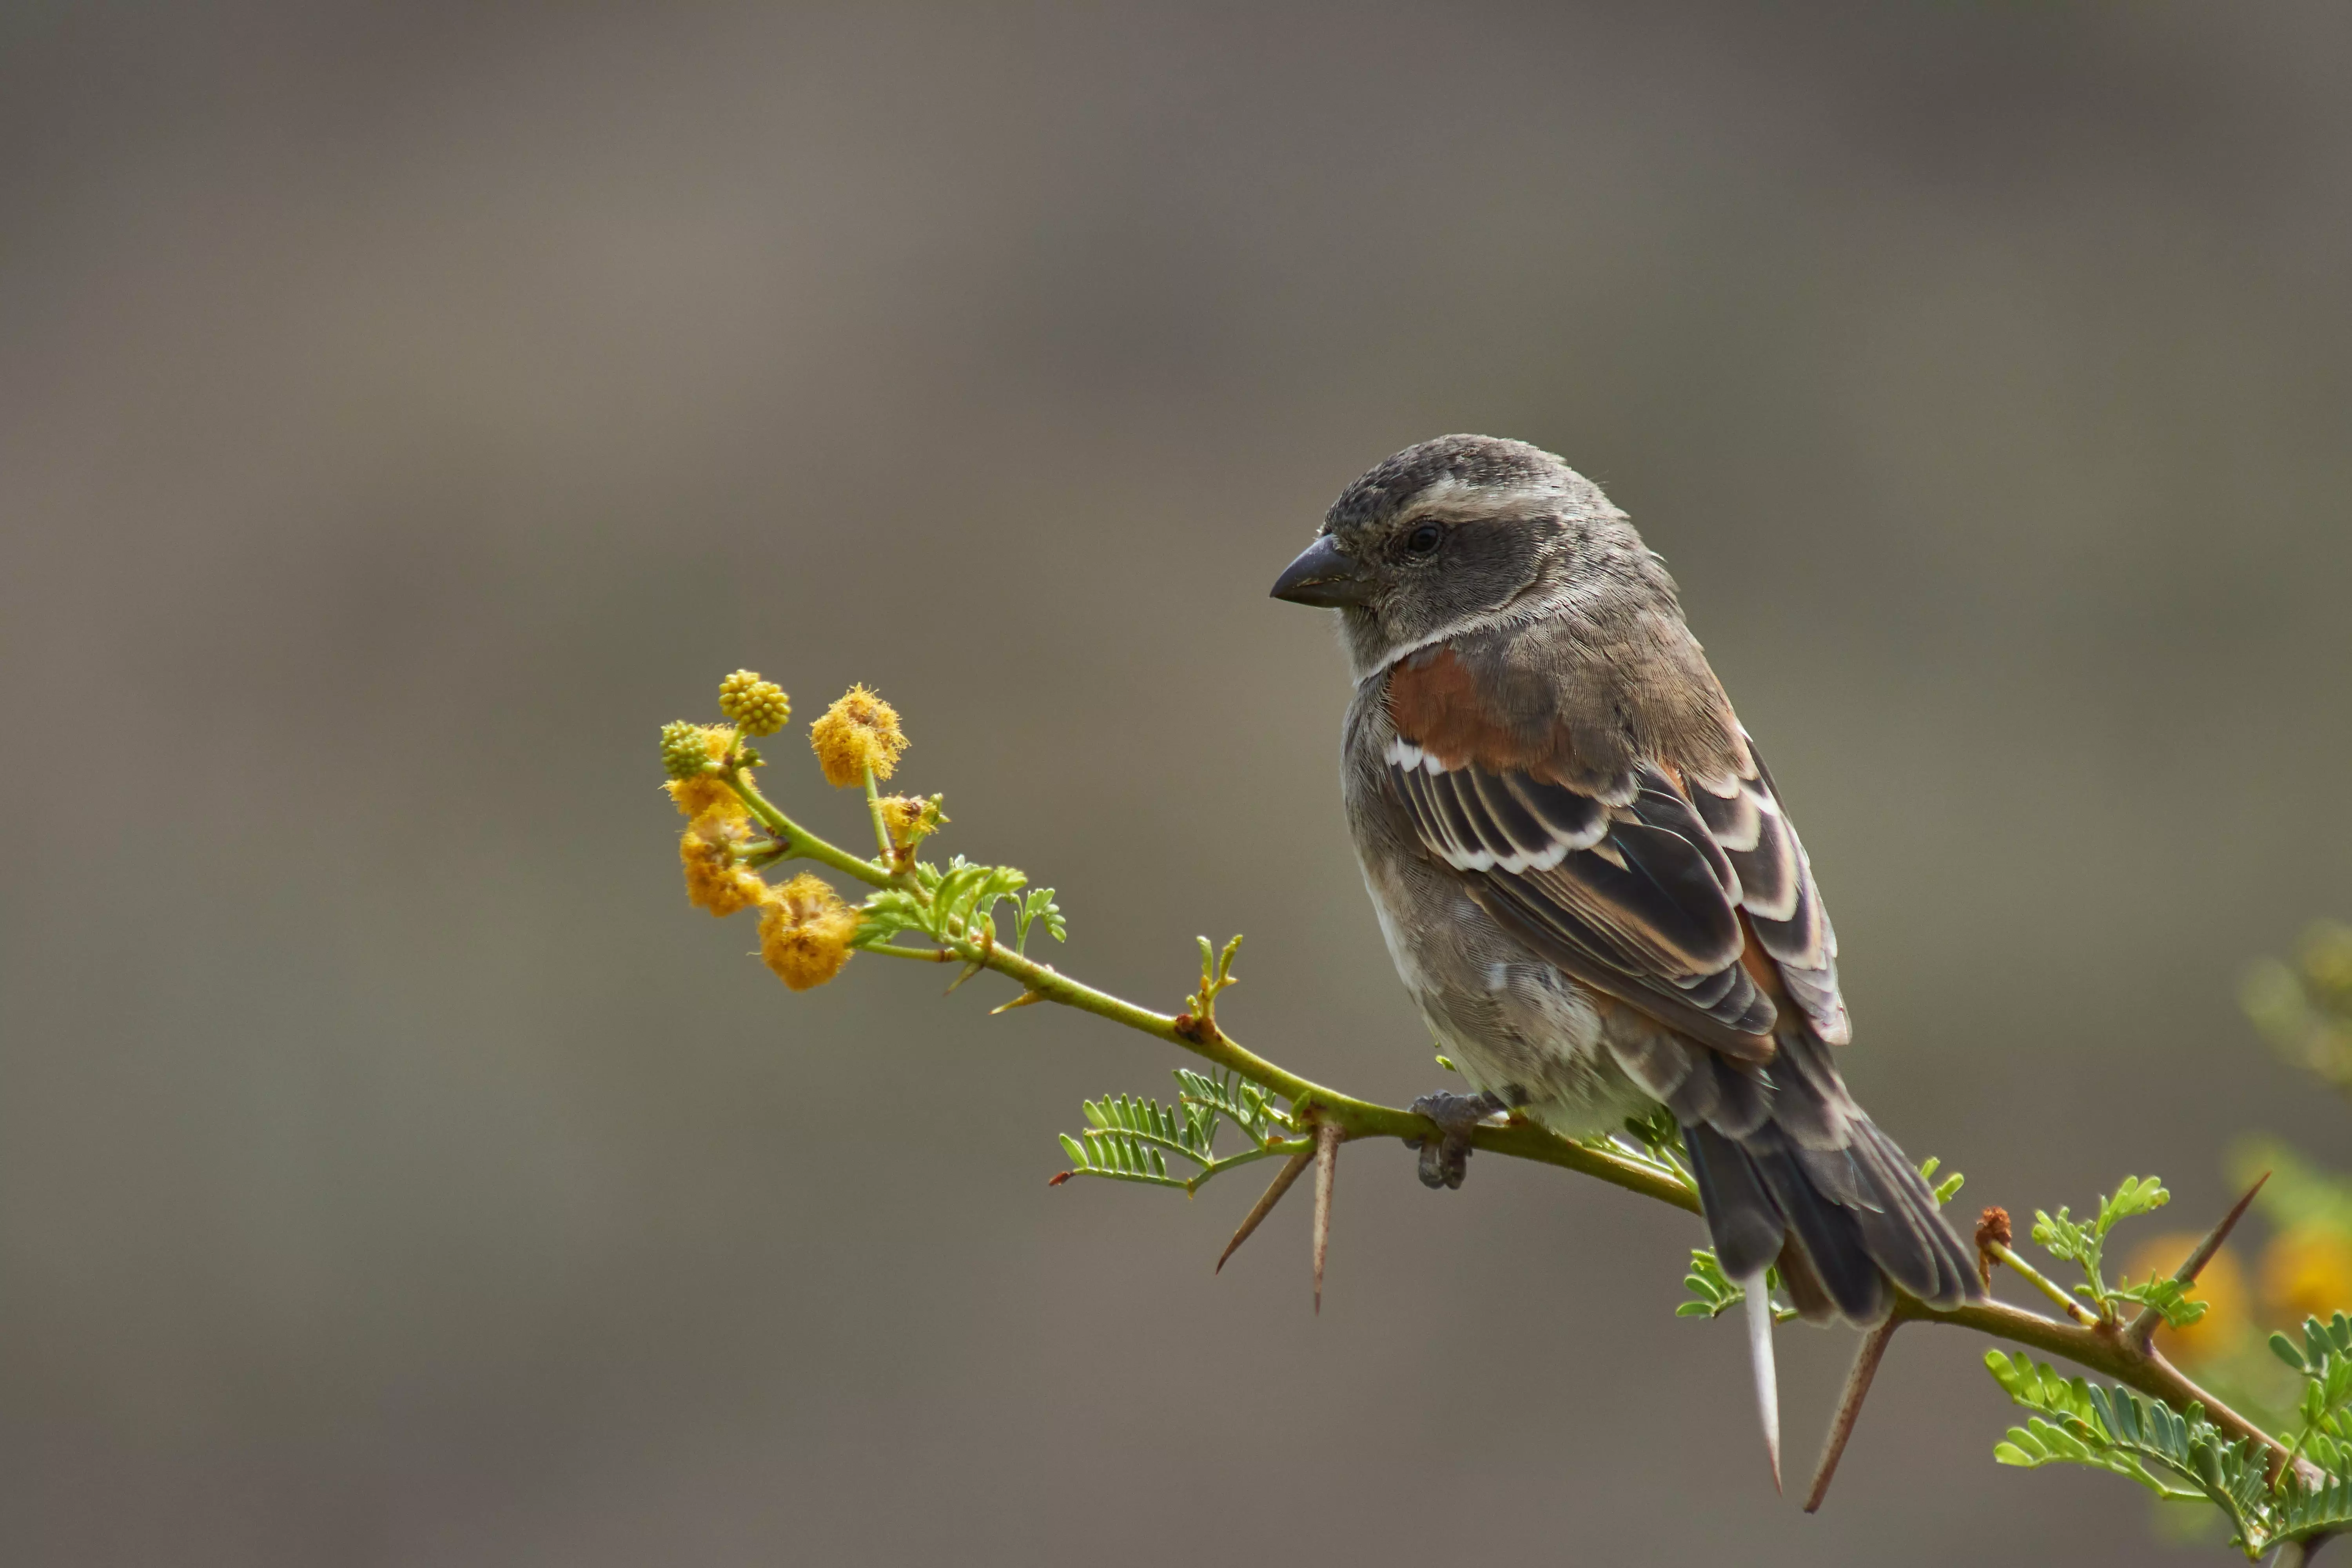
x=1446 y=1159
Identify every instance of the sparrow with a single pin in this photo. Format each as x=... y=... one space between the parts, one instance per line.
x=1585 y=877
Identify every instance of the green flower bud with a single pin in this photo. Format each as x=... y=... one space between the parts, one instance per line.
x=758 y=707
x=685 y=750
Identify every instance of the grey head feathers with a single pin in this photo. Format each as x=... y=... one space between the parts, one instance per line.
x=1465 y=532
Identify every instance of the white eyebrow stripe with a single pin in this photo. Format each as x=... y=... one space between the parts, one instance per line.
x=1543 y=492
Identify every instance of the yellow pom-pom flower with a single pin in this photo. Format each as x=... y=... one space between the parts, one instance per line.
x=911 y=819
x=692 y=755
x=2220 y=1285
x=806 y=932
x=703 y=797
x=858 y=732
x=714 y=881
x=2307 y=1273
x=759 y=707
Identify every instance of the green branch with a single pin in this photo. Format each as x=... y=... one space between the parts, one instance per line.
x=954 y=913
x=1310 y=1101
x=796 y=842
x=2100 y=1348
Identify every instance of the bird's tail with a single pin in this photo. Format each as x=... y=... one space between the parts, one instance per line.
x=1791 y=1172
x=1799 y=1176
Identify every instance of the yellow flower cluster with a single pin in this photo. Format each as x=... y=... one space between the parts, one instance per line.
x=910 y=818
x=759 y=706
x=692 y=755
x=858 y=732
x=805 y=929
x=806 y=932
x=706 y=796
x=714 y=880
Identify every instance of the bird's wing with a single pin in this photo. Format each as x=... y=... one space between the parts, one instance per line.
x=1677 y=887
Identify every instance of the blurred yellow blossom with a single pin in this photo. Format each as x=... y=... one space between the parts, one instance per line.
x=806 y=932
x=858 y=732
x=2221 y=1286
x=2307 y=1273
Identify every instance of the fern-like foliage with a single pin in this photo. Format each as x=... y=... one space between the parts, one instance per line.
x=2166 y=1294
x=1234 y=1097
x=1712 y=1293
x=2083 y=1243
x=2324 y=1361
x=1129 y=1138
x=961 y=905
x=1655 y=1139
x=2181 y=1459
x=2182 y=1456
x=2325 y=1509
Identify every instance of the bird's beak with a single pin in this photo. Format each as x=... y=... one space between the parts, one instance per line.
x=1324 y=578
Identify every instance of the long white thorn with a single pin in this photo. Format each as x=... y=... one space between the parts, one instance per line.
x=1760 y=1351
x=1327 y=1167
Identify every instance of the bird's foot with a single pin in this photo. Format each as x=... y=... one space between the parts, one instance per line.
x=1446 y=1159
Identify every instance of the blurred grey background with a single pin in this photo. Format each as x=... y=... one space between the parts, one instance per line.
x=407 y=409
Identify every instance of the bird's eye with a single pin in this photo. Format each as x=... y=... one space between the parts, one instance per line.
x=1423 y=540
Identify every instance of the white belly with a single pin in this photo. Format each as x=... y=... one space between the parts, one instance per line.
x=1515 y=1026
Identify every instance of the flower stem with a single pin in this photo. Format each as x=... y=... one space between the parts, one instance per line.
x=919 y=954
x=881 y=829
x=799 y=841
x=2043 y=1283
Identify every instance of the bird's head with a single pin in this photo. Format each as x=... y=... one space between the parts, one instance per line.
x=1458 y=533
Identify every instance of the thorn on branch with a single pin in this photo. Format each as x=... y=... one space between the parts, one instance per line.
x=1866 y=1358
x=987 y=945
x=1026 y=999
x=1283 y=1178
x=2143 y=1328
x=1756 y=1291
x=1327 y=1167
